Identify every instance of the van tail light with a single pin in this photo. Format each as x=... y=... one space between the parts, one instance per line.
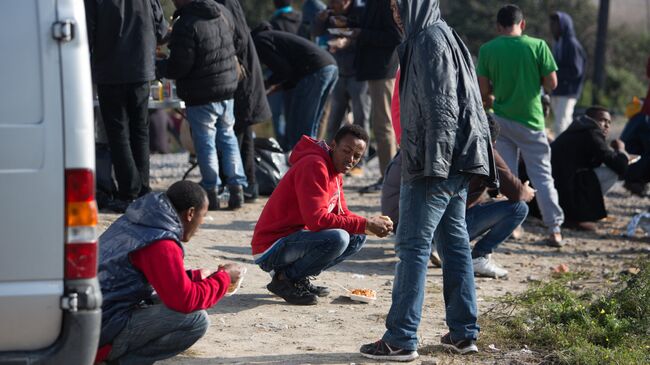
x=80 y=224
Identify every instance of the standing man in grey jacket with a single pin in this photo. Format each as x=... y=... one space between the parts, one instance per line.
x=445 y=141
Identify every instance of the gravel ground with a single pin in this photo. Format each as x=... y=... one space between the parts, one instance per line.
x=254 y=327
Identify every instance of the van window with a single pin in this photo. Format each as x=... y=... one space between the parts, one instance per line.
x=21 y=94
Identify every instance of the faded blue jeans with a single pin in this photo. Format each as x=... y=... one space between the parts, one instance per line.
x=497 y=220
x=306 y=102
x=432 y=206
x=155 y=333
x=307 y=253
x=212 y=128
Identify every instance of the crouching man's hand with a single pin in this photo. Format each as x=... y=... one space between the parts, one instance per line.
x=379 y=226
x=233 y=270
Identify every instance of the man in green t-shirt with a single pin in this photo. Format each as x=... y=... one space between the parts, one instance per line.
x=512 y=69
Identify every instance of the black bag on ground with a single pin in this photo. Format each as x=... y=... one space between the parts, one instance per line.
x=271 y=164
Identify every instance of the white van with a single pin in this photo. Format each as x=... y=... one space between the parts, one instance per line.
x=49 y=295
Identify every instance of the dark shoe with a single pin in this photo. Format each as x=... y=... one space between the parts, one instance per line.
x=118 y=205
x=319 y=291
x=460 y=347
x=290 y=292
x=637 y=189
x=380 y=350
x=251 y=192
x=372 y=188
x=213 y=200
x=236 y=199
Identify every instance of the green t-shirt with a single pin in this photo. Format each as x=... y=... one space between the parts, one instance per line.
x=515 y=65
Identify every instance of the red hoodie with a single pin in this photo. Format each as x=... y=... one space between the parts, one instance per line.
x=310 y=196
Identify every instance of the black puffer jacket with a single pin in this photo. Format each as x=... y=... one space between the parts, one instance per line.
x=251 y=104
x=444 y=127
x=202 y=53
x=288 y=22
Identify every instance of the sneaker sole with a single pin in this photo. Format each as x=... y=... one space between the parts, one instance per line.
x=467 y=350
x=398 y=358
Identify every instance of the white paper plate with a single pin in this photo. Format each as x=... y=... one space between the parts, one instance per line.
x=361 y=298
x=238 y=284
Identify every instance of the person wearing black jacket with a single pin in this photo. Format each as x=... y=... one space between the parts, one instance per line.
x=123 y=36
x=302 y=67
x=202 y=60
x=376 y=62
x=585 y=168
x=251 y=104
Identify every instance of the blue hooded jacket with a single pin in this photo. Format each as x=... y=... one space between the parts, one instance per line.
x=570 y=58
x=147 y=220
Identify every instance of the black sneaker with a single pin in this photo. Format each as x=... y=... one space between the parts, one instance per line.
x=460 y=347
x=290 y=292
x=380 y=350
x=320 y=291
x=236 y=199
x=251 y=193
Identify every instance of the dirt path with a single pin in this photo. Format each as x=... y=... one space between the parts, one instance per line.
x=254 y=327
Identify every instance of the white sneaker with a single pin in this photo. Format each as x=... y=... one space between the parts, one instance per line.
x=484 y=266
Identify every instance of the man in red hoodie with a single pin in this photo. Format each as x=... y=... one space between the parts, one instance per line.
x=306 y=226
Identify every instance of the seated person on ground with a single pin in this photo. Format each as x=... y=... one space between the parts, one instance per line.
x=306 y=226
x=585 y=168
x=140 y=253
x=495 y=220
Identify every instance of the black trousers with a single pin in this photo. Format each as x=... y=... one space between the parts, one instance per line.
x=125 y=114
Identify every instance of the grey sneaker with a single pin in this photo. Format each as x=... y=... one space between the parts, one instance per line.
x=460 y=347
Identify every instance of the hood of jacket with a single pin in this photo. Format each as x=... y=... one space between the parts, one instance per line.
x=308 y=146
x=294 y=17
x=566 y=24
x=205 y=9
x=154 y=210
x=418 y=15
x=583 y=123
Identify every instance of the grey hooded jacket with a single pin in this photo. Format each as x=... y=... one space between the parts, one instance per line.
x=444 y=127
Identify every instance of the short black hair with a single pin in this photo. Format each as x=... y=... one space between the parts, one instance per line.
x=495 y=128
x=281 y=3
x=185 y=195
x=353 y=129
x=509 y=15
x=592 y=111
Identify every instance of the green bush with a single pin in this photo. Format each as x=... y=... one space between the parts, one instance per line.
x=570 y=327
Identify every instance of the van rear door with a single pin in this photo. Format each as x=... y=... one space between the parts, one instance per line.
x=31 y=176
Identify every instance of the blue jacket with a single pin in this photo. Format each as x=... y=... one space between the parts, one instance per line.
x=147 y=220
x=570 y=58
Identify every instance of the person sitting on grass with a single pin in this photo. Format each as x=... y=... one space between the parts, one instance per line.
x=152 y=307
x=306 y=226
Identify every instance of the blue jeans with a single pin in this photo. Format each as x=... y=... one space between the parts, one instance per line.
x=307 y=253
x=212 y=128
x=498 y=219
x=432 y=206
x=306 y=103
x=155 y=333
x=276 y=102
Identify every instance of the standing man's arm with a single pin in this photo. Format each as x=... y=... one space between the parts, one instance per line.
x=486 y=92
x=160 y=24
x=549 y=82
x=181 y=54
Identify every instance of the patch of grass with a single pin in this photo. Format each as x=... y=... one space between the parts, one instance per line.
x=571 y=327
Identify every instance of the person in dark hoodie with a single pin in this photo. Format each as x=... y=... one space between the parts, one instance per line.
x=152 y=307
x=303 y=69
x=122 y=36
x=585 y=168
x=306 y=226
x=286 y=18
x=571 y=61
x=202 y=60
x=251 y=104
x=445 y=142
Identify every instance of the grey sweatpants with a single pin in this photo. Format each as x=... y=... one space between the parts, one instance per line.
x=516 y=139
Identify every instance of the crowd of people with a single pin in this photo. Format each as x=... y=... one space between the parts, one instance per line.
x=463 y=153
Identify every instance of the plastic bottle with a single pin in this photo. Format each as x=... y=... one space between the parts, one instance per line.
x=157 y=90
